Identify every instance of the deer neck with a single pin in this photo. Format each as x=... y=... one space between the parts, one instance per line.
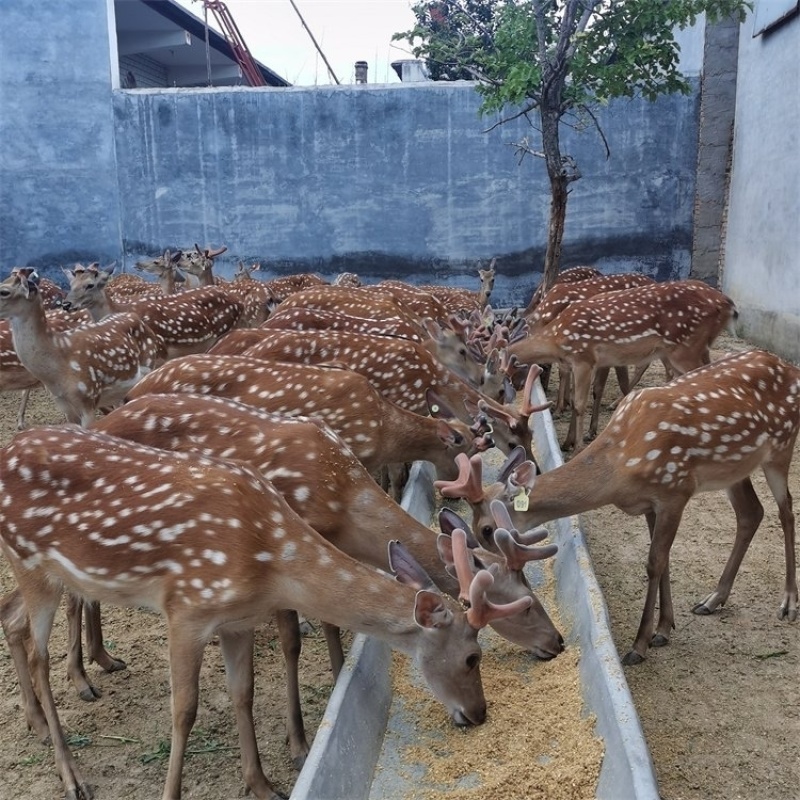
x=372 y=519
x=412 y=437
x=34 y=342
x=543 y=347
x=350 y=595
x=101 y=305
x=582 y=484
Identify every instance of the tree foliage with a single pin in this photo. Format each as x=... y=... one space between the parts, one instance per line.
x=557 y=60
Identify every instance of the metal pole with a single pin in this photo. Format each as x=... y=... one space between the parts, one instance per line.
x=319 y=50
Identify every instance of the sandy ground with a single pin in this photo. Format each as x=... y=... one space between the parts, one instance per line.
x=720 y=706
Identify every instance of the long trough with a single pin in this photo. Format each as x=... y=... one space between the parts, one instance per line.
x=347 y=761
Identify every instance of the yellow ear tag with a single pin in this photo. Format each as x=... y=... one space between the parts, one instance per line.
x=521 y=501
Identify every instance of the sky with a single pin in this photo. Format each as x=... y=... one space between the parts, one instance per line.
x=345 y=30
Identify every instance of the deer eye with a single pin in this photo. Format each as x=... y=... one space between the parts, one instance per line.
x=473 y=661
x=487 y=532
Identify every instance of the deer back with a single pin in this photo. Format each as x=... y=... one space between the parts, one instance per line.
x=676 y=320
x=377 y=431
x=563 y=293
x=304 y=318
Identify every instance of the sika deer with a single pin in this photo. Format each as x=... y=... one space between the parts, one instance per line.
x=709 y=429
x=676 y=322
x=402 y=371
x=568 y=276
x=83 y=368
x=211 y=545
x=341 y=502
x=188 y=322
x=377 y=431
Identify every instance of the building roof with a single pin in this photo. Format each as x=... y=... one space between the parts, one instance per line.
x=166 y=32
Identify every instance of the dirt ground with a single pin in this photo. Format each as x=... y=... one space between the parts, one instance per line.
x=720 y=706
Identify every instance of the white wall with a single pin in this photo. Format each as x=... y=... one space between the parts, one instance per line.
x=762 y=251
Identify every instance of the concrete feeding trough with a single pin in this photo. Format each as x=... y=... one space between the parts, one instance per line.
x=347 y=748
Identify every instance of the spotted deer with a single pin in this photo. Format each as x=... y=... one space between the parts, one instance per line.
x=708 y=429
x=188 y=322
x=14 y=377
x=457 y=300
x=84 y=368
x=212 y=546
x=378 y=431
x=402 y=371
x=199 y=263
x=675 y=321
x=568 y=276
x=165 y=268
x=340 y=501
x=557 y=300
x=338 y=498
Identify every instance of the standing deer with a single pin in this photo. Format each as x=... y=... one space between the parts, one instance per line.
x=337 y=498
x=709 y=429
x=212 y=546
x=188 y=322
x=675 y=321
x=568 y=276
x=84 y=368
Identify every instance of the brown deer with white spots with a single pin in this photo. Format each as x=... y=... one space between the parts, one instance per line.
x=212 y=546
x=457 y=300
x=327 y=486
x=557 y=300
x=187 y=322
x=14 y=377
x=84 y=368
x=571 y=275
x=709 y=429
x=676 y=322
x=403 y=372
x=378 y=431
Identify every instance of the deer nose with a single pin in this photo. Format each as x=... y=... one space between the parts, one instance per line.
x=476 y=716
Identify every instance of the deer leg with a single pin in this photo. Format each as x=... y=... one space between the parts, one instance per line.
x=42 y=603
x=666 y=612
x=398 y=477
x=749 y=513
x=291 y=644
x=237 y=653
x=185 y=659
x=75 y=668
x=334 y=641
x=23 y=407
x=14 y=619
x=94 y=640
x=665 y=526
x=776 y=476
x=582 y=381
x=563 y=400
x=598 y=387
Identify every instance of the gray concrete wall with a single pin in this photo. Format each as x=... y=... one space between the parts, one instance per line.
x=715 y=147
x=397 y=180
x=761 y=265
x=391 y=180
x=58 y=178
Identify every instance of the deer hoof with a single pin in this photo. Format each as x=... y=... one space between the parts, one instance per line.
x=113 y=664
x=659 y=640
x=703 y=610
x=632 y=658
x=90 y=694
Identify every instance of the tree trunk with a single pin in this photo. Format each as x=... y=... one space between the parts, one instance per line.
x=559 y=180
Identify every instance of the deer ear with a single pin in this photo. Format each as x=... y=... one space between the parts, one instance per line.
x=515 y=459
x=406 y=568
x=437 y=407
x=449 y=521
x=430 y=611
x=448 y=434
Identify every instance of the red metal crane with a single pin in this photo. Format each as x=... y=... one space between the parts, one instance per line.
x=236 y=41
